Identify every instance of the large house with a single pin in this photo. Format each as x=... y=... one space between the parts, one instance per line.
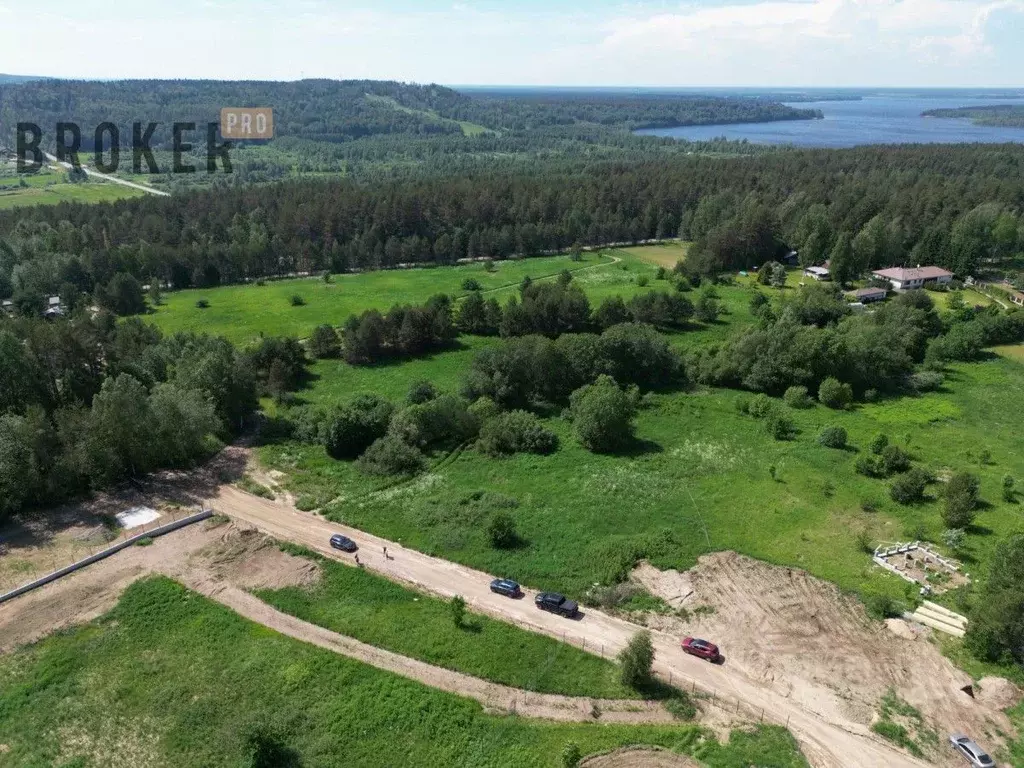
x=817 y=273
x=1017 y=297
x=908 y=278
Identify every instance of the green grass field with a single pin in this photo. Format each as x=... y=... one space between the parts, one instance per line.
x=47 y=188
x=243 y=312
x=169 y=678
x=370 y=608
x=703 y=476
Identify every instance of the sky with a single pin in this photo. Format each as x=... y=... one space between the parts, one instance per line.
x=712 y=43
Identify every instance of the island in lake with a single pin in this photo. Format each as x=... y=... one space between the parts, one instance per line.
x=1005 y=115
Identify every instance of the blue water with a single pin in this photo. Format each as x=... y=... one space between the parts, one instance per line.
x=876 y=119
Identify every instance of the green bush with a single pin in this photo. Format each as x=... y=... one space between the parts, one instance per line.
x=420 y=392
x=879 y=443
x=636 y=660
x=797 y=397
x=909 y=487
x=760 y=406
x=571 y=755
x=458 y=609
x=602 y=415
x=516 y=432
x=484 y=409
x=893 y=460
x=833 y=437
x=202 y=304
x=1009 y=494
x=925 y=381
x=869 y=466
x=471 y=284
x=681 y=706
x=780 y=426
x=501 y=531
x=296 y=300
x=961 y=499
x=350 y=430
x=835 y=394
x=642 y=281
x=390 y=455
x=324 y=343
x=445 y=419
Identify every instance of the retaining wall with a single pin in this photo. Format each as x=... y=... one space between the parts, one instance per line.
x=60 y=573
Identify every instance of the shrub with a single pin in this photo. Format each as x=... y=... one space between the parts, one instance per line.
x=882 y=606
x=871 y=396
x=444 y=419
x=571 y=755
x=420 y=392
x=642 y=280
x=869 y=466
x=893 y=460
x=780 y=426
x=471 y=284
x=390 y=455
x=879 y=443
x=835 y=394
x=961 y=499
x=659 y=273
x=954 y=539
x=202 y=304
x=484 y=409
x=636 y=660
x=760 y=406
x=908 y=488
x=833 y=437
x=602 y=415
x=324 y=343
x=457 y=606
x=797 y=397
x=296 y=300
x=925 y=381
x=501 y=531
x=351 y=429
x=516 y=432
x=1009 y=495
x=681 y=706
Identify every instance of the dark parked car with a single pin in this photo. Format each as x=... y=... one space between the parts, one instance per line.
x=556 y=603
x=344 y=543
x=506 y=587
x=701 y=648
x=974 y=754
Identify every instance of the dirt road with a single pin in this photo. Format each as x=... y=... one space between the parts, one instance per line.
x=828 y=740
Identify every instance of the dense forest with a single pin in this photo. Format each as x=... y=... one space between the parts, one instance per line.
x=1006 y=115
x=864 y=208
x=346 y=110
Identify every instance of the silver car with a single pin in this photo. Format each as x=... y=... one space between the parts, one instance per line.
x=975 y=755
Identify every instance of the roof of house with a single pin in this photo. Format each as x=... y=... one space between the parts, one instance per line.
x=905 y=274
x=869 y=292
x=817 y=270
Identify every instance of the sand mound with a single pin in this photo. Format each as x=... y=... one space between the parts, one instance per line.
x=901 y=629
x=251 y=560
x=998 y=692
x=638 y=757
x=809 y=641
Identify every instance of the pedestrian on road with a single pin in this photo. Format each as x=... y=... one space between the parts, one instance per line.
x=357 y=560
x=386 y=553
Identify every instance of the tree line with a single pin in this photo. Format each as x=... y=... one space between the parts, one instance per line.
x=953 y=206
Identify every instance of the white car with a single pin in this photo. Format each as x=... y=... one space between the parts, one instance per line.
x=975 y=755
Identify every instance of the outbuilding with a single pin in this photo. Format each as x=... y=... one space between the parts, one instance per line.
x=869 y=295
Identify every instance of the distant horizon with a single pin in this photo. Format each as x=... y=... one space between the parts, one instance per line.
x=13 y=77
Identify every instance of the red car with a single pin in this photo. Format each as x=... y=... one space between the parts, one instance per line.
x=702 y=648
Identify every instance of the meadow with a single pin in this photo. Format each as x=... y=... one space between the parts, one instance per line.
x=48 y=188
x=243 y=312
x=170 y=678
x=360 y=604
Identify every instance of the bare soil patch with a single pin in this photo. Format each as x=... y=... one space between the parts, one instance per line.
x=998 y=692
x=638 y=757
x=806 y=639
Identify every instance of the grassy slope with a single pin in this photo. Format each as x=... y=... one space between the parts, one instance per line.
x=47 y=188
x=370 y=608
x=169 y=678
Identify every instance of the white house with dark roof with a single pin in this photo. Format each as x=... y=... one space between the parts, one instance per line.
x=909 y=278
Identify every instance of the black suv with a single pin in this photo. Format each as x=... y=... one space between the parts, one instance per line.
x=556 y=603
x=506 y=587
x=344 y=543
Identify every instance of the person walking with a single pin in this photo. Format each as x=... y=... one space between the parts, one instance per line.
x=357 y=561
x=386 y=553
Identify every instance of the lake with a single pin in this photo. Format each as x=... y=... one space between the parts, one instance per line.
x=888 y=118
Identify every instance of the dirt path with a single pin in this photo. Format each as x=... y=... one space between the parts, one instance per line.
x=221 y=563
x=828 y=738
x=492 y=696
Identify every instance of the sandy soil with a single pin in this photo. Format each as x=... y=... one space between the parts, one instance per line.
x=630 y=757
x=803 y=638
